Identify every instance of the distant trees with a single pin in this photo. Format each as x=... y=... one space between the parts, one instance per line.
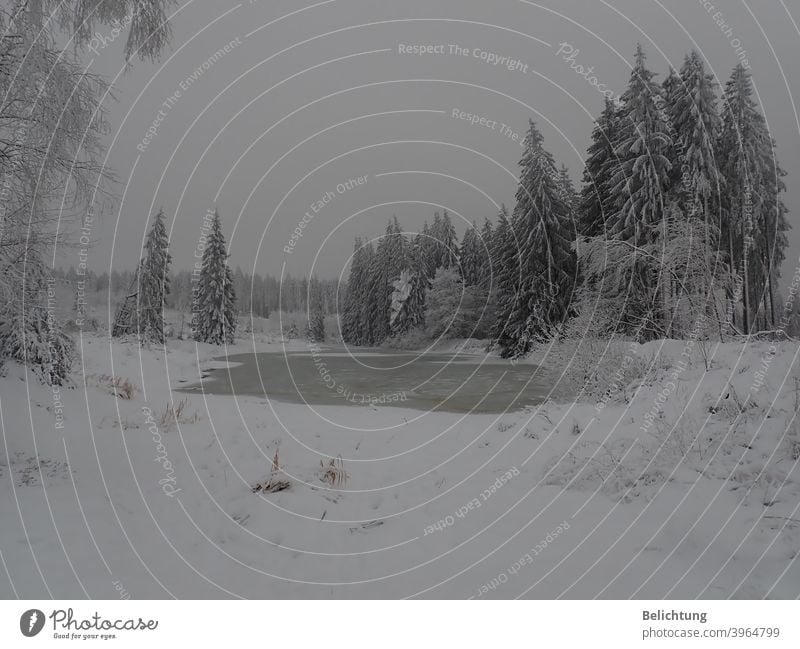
x=420 y=284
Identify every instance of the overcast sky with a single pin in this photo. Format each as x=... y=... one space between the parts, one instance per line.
x=308 y=95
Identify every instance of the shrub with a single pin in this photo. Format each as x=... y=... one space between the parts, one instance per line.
x=38 y=342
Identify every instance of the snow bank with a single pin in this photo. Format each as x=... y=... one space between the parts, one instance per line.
x=682 y=484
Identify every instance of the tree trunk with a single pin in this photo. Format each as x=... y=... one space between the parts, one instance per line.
x=745 y=282
x=732 y=266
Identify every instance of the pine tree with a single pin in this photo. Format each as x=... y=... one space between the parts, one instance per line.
x=773 y=240
x=469 y=257
x=696 y=124
x=546 y=233
x=568 y=194
x=642 y=175
x=507 y=280
x=154 y=282
x=672 y=91
x=744 y=146
x=596 y=199
x=640 y=182
x=443 y=233
x=315 y=330
x=420 y=264
x=392 y=256
x=215 y=319
x=485 y=244
x=353 y=327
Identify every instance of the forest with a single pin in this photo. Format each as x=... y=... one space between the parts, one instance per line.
x=678 y=230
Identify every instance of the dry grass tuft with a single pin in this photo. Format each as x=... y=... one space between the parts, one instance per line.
x=175 y=414
x=275 y=483
x=333 y=472
x=119 y=387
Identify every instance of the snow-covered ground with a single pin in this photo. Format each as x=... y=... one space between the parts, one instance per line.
x=575 y=500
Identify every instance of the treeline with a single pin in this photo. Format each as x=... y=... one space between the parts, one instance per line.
x=258 y=294
x=678 y=231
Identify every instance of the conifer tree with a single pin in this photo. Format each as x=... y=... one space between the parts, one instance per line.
x=485 y=244
x=696 y=125
x=469 y=257
x=391 y=258
x=315 y=330
x=215 y=319
x=754 y=217
x=642 y=175
x=546 y=233
x=420 y=265
x=640 y=183
x=596 y=199
x=352 y=325
x=507 y=278
x=364 y=334
x=443 y=233
x=154 y=282
x=672 y=91
x=568 y=194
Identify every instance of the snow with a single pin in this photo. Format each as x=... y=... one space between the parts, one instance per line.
x=531 y=503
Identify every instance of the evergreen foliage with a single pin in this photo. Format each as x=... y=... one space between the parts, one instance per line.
x=215 y=318
x=154 y=283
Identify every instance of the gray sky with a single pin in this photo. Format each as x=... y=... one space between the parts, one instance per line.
x=318 y=96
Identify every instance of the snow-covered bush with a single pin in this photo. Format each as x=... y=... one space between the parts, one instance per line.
x=39 y=343
x=453 y=309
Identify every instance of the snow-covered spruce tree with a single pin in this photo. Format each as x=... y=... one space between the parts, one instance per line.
x=469 y=259
x=414 y=316
x=772 y=240
x=315 y=329
x=484 y=247
x=363 y=334
x=692 y=105
x=215 y=319
x=642 y=173
x=596 y=199
x=671 y=92
x=29 y=331
x=443 y=234
x=568 y=193
x=543 y=225
x=352 y=326
x=639 y=185
x=392 y=256
x=507 y=279
x=154 y=283
x=754 y=222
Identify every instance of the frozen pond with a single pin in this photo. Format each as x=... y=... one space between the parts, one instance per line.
x=423 y=381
